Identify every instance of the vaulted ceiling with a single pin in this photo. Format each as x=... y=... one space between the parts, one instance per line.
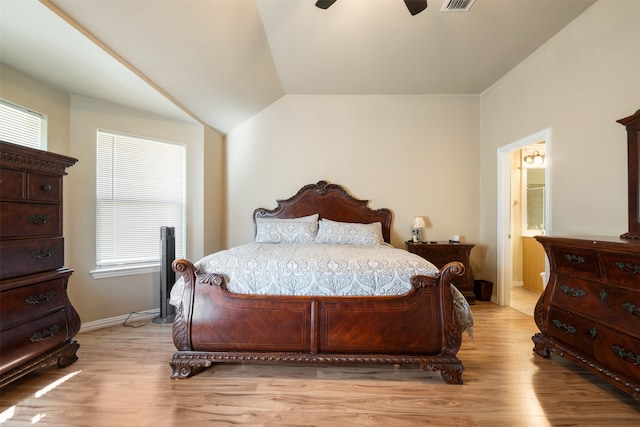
x=222 y=61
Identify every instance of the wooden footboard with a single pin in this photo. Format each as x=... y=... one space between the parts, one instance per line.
x=418 y=328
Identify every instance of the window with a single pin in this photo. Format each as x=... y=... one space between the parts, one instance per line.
x=22 y=126
x=140 y=188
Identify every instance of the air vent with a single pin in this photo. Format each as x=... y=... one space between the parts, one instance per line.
x=457 y=5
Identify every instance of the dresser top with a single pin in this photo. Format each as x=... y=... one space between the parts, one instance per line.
x=17 y=156
x=596 y=242
x=436 y=243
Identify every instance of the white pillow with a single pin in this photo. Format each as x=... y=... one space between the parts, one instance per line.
x=289 y=230
x=349 y=233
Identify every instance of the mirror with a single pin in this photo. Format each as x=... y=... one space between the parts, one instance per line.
x=632 y=123
x=535 y=188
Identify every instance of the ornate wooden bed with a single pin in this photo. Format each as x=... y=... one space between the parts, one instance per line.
x=419 y=328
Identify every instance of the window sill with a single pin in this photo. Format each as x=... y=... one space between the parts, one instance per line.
x=122 y=270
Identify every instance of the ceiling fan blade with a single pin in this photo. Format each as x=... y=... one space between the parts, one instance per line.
x=324 y=4
x=415 y=6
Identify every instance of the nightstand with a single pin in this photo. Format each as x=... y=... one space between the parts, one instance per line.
x=441 y=253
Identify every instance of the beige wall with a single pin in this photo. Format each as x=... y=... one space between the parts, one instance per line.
x=417 y=155
x=73 y=122
x=26 y=91
x=578 y=84
x=108 y=297
x=214 y=195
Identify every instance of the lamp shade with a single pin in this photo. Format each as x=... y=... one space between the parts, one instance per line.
x=418 y=222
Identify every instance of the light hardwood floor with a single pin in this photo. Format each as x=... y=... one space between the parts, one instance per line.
x=122 y=379
x=524 y=299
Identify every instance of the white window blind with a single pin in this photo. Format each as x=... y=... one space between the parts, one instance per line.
x=140 y=188
x=22 y=126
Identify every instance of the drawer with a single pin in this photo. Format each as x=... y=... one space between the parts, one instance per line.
x=610 y=305
x=39 y=187
x=622 y=310
x=623 y=269
x=23 y=342
x=618 y=352
x=440 y=256
x=45 y=188
x=579 y=295
x=26 y=256
x=577 y=262
x=22 y=304
x=30 y=219
x=11 y=184
x=576 y=331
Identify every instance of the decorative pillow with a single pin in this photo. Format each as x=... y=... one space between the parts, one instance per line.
x=349 y=233
x=290 y=230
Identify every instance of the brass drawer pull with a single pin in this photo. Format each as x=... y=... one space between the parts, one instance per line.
x=45 y=334
x=40 y=298
x=567 y=328
x=632 y=308
x=38 y=219
x=572 y=291
x=628 y=267
x=574 y=259
x=42 y=253
x=626 y=355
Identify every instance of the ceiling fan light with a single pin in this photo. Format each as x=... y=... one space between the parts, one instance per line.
x=414 y=6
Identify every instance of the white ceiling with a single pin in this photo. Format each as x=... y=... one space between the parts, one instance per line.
x=222 y=61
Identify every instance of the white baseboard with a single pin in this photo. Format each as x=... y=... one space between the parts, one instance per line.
x=118 y=320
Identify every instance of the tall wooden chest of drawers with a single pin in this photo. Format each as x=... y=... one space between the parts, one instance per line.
x=37 y=320
x=590 y=310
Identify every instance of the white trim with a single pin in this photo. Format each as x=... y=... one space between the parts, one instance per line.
x=504 y=228
x=504 y=256
x=118 y=320
x=123 y=270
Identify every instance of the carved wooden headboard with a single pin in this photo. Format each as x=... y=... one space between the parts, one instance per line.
x=330 y=201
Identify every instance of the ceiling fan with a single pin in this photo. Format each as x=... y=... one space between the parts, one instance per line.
x=414 y=6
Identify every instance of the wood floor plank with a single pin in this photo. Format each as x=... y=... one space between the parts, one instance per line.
x=122 y=378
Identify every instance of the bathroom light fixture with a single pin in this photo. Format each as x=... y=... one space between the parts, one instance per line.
x=535 y=159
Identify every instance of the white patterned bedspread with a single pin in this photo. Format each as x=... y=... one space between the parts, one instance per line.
x=318 y=270
x=314 y=269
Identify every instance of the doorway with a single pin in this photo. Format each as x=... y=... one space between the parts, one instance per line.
x=523 y=212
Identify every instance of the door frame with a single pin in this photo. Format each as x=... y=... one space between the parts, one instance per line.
x=505 y=253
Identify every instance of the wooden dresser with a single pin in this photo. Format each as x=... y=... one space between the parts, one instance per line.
x=37 y=320
x=590 y=309
x=441 y=253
